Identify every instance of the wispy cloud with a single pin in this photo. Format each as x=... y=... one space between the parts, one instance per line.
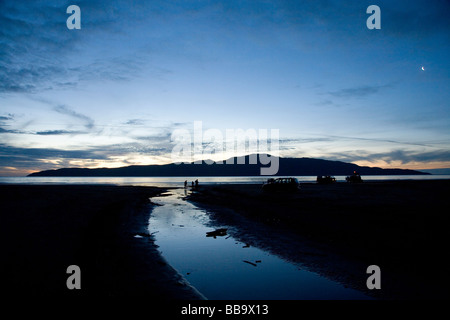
x=58 y=132
x=359 y=91
x=38 y=52
x=383 y=140
x=88 y=122
x=396 y=155
x=30 y=38
x=135 y=122
x=2 y=130
x=9 y=116
x=5 y=121
x=36 y=159
x=318 y=138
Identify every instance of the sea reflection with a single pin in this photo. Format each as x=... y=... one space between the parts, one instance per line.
x=178 y=181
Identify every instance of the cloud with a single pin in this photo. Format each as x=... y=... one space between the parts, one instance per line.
x=88 y=122
x=414 y=18
x=396 y=155
x=5 y=122
x=361 y=149
x=42 y=133
x=135 y=122
x=39 y=157
x=2 y=130
x=33 y=45
x=46 y=153
x=5 y=119
x=318 y=138
x=359 y=91
x=57 y=132
x=112 y=69
x=36 y=159
x=38 y=52
x=391 y=141
x=9 y=116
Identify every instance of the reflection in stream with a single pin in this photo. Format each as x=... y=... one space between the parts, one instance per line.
x=221 y=267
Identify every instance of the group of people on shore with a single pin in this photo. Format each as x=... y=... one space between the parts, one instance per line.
x=193 y=184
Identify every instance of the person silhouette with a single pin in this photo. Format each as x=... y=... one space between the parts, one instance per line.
x=185 y=184
x=196 y=183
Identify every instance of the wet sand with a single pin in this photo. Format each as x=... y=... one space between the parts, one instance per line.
x=339 y=230
x=46 y=228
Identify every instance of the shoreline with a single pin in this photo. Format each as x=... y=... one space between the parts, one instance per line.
x=334 y=230
x=46 y=228
x=339 y=230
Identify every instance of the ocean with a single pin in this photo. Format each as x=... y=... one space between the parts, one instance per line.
x=179 y=181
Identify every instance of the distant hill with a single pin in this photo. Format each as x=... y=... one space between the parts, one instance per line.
x=287 y=167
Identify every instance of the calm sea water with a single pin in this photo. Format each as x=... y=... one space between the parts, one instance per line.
x=178 y=181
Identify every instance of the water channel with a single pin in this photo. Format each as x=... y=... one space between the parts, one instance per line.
x=223 y=268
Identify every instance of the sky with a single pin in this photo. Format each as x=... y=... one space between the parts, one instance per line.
x=114 y=92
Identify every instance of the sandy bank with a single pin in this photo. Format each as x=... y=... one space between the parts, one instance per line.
x=338 y=230
x=46 y=228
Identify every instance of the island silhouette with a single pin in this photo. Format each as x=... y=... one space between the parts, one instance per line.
x=241 y=167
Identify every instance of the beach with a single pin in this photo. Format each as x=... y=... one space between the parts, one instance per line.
x=339 y=229
x=102 y=229
x=335 y=230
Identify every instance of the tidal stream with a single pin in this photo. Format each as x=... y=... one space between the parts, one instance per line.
x=223 y=268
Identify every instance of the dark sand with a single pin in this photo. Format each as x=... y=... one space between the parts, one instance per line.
x=336 y=230
x=44 y=229
x=339 y=230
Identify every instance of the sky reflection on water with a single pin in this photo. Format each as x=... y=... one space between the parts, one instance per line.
x=224 y=268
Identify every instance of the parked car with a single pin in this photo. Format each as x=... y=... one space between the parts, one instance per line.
x=281 y=184
x=325 y=179
x=354 y=178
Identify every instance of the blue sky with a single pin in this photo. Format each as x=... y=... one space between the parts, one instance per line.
x=112 y=93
